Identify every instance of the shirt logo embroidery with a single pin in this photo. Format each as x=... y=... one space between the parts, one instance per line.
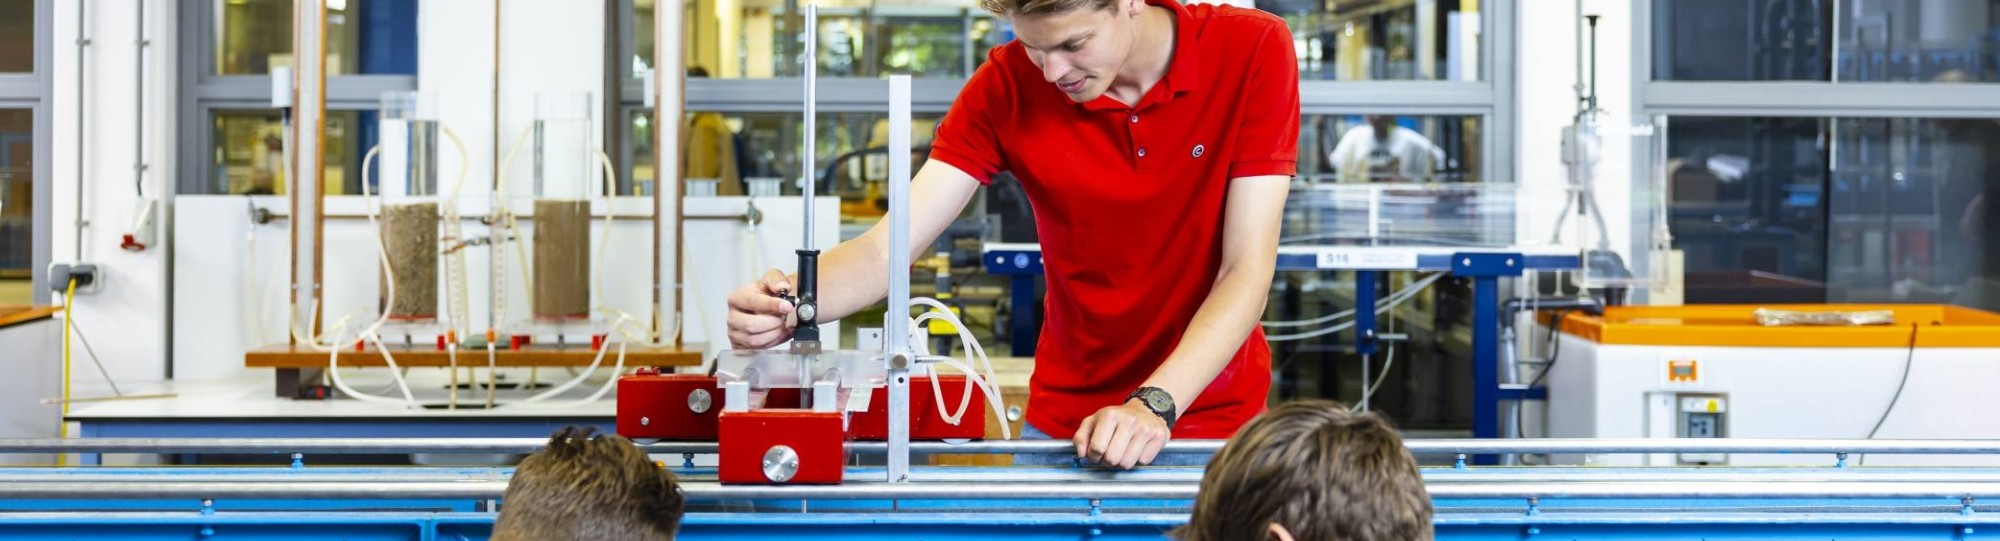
x=1198 y=150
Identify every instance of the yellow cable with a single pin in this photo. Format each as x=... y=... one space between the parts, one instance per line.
x=69 y=320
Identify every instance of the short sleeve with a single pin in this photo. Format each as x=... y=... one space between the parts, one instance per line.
x=968 y=137
x=1268 y=141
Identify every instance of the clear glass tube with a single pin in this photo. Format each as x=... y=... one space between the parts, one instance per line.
x=566 y=180
x=407 y=183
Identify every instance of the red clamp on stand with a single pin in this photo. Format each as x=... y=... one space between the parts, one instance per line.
x=518 y=341
x=781 y=446
x=668 y=406
x=926 y=418
x=597 y=342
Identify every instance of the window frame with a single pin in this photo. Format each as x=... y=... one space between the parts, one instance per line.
x=32 y=91
x=1492 y=98
x=1657 y=101
x=203 y=93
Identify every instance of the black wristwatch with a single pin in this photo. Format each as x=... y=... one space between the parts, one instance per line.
x=1159 y=401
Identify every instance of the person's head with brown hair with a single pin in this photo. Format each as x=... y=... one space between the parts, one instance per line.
x=1312 y=470
x=1084 y=46
x=589 y=486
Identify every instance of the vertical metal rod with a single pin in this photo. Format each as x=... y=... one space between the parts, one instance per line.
x=303 y=181
x=139 y=108
x=896 y=323
x=808 y=163
x=1364 y=326
x=82 y=127
x=1485 y=361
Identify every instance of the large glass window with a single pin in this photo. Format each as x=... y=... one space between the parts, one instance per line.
x=733 y=148
x=1837 y=210
x=247 y=152
x=759 y=39
x=17 y=36
x=363 y=37
x=1918 y=41
x=17 y=197
x=1426 y=40
x=1822 y=40
x=242 y=151
x=1389 y=148
x=1349 y=41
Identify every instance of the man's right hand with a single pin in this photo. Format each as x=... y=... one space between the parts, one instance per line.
x=759 y=316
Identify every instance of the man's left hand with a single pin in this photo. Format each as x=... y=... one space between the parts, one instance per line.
x=1124 y=435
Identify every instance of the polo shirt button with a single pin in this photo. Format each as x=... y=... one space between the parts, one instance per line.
x=1142 y=152
x=1135 y=119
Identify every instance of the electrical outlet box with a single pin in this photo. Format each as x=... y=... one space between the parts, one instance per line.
x=1702 y=416
x=89 y=277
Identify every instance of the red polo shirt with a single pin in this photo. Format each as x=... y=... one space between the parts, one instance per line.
x=1128 y=202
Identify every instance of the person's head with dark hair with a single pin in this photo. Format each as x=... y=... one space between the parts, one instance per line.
x=589 y=486
x=697 y=72
x=1312 y=470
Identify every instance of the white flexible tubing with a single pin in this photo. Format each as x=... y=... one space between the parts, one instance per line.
x=311 y=341
x=604 y=240
x=588 y=371
x=333 y=371
x=972 y=378
x=972 y=346
x=458 y=313
x=988 y=382
x=388 y=279
x=937 y=388
x=395 y=372
x=1345 y=313
x=1369 y=391
x=1381 y=306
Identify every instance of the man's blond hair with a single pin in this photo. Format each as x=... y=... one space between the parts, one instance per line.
x=1322 y=472
x=1043 y=7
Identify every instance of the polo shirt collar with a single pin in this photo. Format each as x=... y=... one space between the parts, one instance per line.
x=1183 y=72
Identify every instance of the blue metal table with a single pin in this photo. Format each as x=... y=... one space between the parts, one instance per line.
x=1485 y=266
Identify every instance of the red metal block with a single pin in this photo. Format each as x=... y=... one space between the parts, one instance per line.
x=926 y=422
x=802 y=446
x=668 y=406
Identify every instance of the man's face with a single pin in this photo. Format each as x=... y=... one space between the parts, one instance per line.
x=1081 y=50
x=1383 y=125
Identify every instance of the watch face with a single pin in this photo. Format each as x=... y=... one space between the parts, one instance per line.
x=1157 y=401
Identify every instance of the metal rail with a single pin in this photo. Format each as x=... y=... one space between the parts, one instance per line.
x=933 y=475
x=1420 y=447
x=1047 y=491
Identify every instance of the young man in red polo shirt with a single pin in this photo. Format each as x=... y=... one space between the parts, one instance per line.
x=1156 y=142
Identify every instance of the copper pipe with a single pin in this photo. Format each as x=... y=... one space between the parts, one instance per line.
x=680 y=199
x=319 y=160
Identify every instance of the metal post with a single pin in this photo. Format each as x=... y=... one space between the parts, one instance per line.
x=809 y=63
x=1027 y=327
x=805 y=338
x=896 y=323
x=1485 y=356
x=303 y=174
x=1364 y=311
x=1364 y=326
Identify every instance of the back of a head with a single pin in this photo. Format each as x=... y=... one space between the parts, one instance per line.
x=589 y=486
x=1316 y=469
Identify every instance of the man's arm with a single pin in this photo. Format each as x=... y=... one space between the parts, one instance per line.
x=853 y=274
x=1130 y=434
